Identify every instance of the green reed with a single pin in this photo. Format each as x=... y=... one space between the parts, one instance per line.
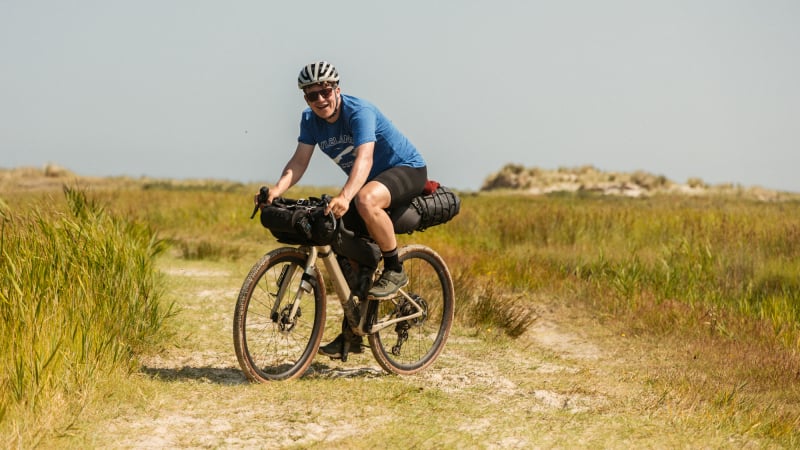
x=79 y=297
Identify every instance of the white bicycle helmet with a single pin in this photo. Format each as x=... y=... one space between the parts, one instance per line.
x=318 y=72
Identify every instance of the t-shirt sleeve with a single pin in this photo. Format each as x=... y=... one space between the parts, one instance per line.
x=306 y=132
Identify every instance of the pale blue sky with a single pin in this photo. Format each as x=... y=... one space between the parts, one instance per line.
x=197 y=89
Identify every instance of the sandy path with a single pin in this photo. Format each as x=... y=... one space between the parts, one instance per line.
x=566 y=383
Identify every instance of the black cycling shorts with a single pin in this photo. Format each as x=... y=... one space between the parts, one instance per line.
x=404 y=183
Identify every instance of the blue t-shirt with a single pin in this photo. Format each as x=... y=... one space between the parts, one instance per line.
x=359 y=122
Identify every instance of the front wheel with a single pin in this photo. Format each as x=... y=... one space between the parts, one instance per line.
x=411 y=346
x=277 y=325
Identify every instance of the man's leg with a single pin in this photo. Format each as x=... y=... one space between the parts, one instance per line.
x=396 y=186
x=372 y=202
x=392 y=188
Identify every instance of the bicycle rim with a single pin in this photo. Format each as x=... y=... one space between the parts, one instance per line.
x=271 y=342
x=413 y=345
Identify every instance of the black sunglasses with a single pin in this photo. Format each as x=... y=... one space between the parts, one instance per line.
x=313 y=96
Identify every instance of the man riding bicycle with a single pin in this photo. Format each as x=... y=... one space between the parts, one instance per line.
x=384 y=169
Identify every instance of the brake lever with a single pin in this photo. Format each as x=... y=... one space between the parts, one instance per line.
x=263 y=196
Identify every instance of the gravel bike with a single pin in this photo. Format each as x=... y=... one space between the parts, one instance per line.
x=280 y=314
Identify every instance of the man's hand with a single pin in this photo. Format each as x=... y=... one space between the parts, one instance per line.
x=265 y=197
x=273 y=194
x=338 y=205
x=260 y=200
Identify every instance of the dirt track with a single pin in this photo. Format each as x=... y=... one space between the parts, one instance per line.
x=568 y=382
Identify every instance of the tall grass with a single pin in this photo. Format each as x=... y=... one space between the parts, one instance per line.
x=621 y=254
x=78 y=298
x=199 y=224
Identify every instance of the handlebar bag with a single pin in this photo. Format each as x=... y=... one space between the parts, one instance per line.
x=283 y=221
x=298 y=222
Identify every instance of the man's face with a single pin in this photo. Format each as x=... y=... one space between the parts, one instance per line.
x=322 y=99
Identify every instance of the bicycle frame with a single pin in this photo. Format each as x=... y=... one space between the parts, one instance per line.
x=276 y=337
x=343 y=292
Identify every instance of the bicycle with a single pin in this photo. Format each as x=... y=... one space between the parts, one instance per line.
x=280 y=313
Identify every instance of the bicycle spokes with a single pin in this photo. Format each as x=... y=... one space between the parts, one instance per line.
x=413 y=326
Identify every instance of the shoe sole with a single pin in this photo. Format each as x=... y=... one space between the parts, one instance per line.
x=339 y=355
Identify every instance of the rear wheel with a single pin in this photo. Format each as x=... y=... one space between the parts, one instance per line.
x=412 y=345
x=276 y=337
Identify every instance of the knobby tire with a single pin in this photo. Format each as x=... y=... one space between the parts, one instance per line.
x=268 y=346
x=429 y=280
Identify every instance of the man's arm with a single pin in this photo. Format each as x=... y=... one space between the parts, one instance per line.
x=360 y=171
x=358 y=177
x=293 y=171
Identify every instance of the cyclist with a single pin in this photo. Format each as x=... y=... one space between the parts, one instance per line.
x=383 y=168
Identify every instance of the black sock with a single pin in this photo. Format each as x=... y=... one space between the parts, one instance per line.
x=391 y=261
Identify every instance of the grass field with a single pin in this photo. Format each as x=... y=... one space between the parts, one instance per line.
x=83 y=299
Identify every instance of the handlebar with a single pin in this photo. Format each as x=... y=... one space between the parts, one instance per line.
x=263 y=196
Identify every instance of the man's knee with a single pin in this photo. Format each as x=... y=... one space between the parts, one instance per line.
x=371 y=198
